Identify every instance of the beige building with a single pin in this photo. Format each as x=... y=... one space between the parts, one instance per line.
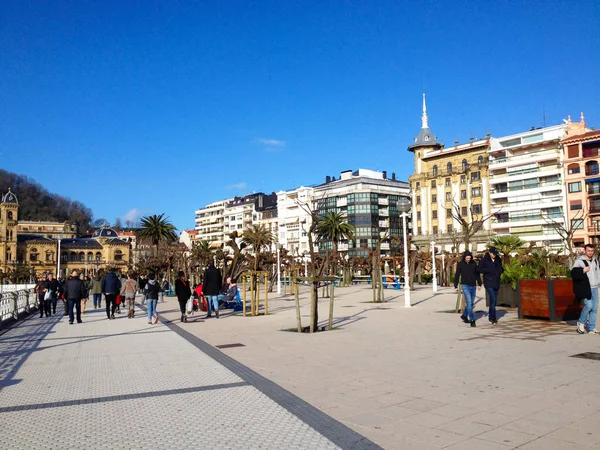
x=448 y=181
x=54 y=230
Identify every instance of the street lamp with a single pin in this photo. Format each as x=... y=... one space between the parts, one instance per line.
x=403 y=205
x=443 y=265
x=278 y=269
x=347 y=278
x=434 y=280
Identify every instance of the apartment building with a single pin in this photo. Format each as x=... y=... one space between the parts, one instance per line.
x=210 y=222
x=368 y=198
x=294 y=219
x=447 y=183
x=581 y=158
x=527 y=185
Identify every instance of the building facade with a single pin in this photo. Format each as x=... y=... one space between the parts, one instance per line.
x=294 y=219
x=449 y=183
x=53 y=230
x=210 y=222
x=527 y=186
x=368 y=199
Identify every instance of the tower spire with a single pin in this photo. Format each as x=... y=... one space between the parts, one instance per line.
x=424 y=119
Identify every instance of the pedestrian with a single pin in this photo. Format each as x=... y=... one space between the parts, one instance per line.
x=491 y=268
x=54 y=286
x=142 y=283
x=44 y=302
x=183 y=293
x=111 y=286
x=96 y=289
x=164 y=289
x=87 y=292
x=466 y=273
x=151 y=290
x=74 y=292
x=585 y=286
x=128 y=291
x=211 y=286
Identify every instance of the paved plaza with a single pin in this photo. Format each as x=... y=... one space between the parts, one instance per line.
x=386 y=377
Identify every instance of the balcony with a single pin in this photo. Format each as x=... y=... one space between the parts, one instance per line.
x=383 y=201
x=384 y=212
x=342 y=202
x=591 y=171
x=384 y=224
x=523 y=187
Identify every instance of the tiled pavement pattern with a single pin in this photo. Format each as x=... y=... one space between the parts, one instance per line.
x=125 y=384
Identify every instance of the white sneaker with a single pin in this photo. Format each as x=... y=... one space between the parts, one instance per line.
x=594 y=331
x=580 y=327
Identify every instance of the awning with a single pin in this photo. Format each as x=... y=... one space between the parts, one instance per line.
x=592 y=180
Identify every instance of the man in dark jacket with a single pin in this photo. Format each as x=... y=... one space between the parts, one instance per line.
x=466 y=273
x=491 y=268
x=54 y=286
x=183 y=293
x=588 y=292
x=42 y=289
x=211 y=286
x=111 y=286
x=74 y=291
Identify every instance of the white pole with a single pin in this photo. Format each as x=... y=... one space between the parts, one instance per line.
x=58 y=261
x=406 y=273
x=278 y=273
x=434 y=280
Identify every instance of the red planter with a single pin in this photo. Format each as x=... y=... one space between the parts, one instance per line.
x=548 y=299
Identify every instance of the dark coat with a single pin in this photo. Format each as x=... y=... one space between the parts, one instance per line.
x=111 y=283
x=212 y=281
x=491 y=271
x=54 y=286
x=581 y=283
x=467 y=274
x=74 y=289
x=182 y=289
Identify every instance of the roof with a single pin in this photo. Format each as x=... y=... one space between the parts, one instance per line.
x=80 y=243
x=589 y=136
x=33 y=237
x=425 y=137
x=10 y=197
x=104 y=232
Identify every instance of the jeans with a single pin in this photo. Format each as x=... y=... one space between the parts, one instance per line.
x=111 y=304
x=44 y=305
x=493 y=294
x=97 y=300
x=214 y=299
x=77 y=305
x=151 y=306
x=469 y=292
x=590 y=308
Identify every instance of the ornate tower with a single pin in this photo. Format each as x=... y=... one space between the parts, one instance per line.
x=425 y=140
x=9 y=215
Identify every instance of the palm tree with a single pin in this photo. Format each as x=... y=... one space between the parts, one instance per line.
x=506 y=245
x=258 y=237
x=333 y=227
x=157 y=229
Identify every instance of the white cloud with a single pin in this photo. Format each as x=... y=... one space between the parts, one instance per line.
x=272 y=143
x=238 y=186
x=132 y=215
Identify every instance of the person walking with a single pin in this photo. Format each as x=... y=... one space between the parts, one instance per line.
x=151 y=290
x=183 y=293
x=587 y=278
x=164 y=289
x=491 y=268
x=96 y=289
x=42 y=288
x=54 y=287
x=86 y=285
x=111 y=286
x=128 y=292
x=469 y=278
x=211 y=286
x=74 y=292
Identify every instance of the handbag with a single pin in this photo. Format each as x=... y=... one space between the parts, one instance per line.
x=189 y=305
x=48 y=295
x=118 y=300
x=204 y=305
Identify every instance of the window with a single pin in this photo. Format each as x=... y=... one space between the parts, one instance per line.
x=98 y=257
x=432 y=184
x=49 y=256
x=476 y=209
x=463 y=211
x=476 y=192
x=577 y=224
x=448 y=196
x=449 y=229
x=418 y=185
x=591 y=168
x=573 y=168
x=418 y=199
x=463 y=179
x=418 y=215
x=575 y=187
x=81 y=256
x=435 y=171
x=480 y=160
x=435 y=230
x=118 y=255
x=64 y=258
x=434 y=198
x=33 y=256
x=90 y=256
x=576 y=205
x=475 y=176
x=9 y=215
x=448 y=182
x=464 y=165
x=573 y=151
x=463 y=194
x=434 y=214
x=449 y=167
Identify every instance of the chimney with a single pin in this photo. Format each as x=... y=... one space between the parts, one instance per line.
x=327 y=179
x=393 y=176
x=332 y=178
x=384 y=175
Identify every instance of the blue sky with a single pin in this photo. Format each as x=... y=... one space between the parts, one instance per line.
x=149 y=107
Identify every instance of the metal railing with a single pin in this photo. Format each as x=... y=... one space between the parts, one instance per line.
x=15 y=303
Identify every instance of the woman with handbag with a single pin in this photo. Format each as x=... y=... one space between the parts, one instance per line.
x=183 y=293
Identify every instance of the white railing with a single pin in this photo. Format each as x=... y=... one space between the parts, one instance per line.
x=17 y=302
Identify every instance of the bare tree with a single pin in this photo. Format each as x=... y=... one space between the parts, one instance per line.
x=468 y=228
x=566 y=230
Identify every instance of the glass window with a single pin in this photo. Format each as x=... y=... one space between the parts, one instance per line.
x=464 y=165
x=449 y=167
x=463 y=179
x=463 y=194
x=573 y=168
x=577 y=224
x=449 y=228
x=418 y=199
x=434 y=214
x=448 y=196
x=476 y=209
x=576 y=205
x=474 y=176
x=463 y=211
x=480 y=160
x=447 y=182
x=476 y=192
x=433 y=184
x=575 y=187
x=435 y=171
x=434 y=198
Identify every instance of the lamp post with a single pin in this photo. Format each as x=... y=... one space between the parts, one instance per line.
x=443 y=265
x=434 y=280
x=403 y=205
x=278 y=269
x=347 y=279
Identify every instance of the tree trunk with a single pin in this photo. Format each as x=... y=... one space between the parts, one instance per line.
x=331 y=307
x=314 y=307
x=298 y=315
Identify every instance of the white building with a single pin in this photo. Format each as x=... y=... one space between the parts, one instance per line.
x=527 y=185
x=210 y=222
x=294 y=219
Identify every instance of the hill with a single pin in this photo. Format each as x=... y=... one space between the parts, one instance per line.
x=36 y=203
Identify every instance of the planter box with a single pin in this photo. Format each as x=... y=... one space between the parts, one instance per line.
x=507 y=296
x=548 y=299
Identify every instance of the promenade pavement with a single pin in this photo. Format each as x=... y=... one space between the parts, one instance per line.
x=419 y=378
x=124 y=384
